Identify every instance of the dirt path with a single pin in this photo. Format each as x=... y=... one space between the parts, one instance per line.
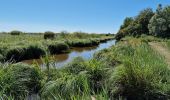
x=162 y=50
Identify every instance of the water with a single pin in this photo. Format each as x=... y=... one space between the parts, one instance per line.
x=85 y=52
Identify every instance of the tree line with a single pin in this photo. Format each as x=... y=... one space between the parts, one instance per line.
x=147 y=22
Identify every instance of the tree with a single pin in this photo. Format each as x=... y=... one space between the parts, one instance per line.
x=127 y=22
x=159 y=24
x=137 y=25
x=143 y=20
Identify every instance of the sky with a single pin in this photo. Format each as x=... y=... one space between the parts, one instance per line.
x=99 y=16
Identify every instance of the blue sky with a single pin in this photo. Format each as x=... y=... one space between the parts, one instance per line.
x=101 y=16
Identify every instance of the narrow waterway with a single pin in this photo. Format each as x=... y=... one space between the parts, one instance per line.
x=60 y=60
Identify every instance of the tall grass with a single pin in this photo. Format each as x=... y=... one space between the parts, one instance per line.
x=143 y=75
x=19 y=80
x=57 y=47
x=32 y=46
x=130 y=70
x=22 y=53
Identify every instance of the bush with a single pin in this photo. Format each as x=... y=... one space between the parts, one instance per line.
x=84 y=43
x=137 y=25
x=15 y=54
x=97 y=73
x=160 y=23
x=33 y=52
x=94 y=42
x=80 y=35
x=49 y=35
x=15 y=32
x=22 y=53
x=76 y=66
x=19 y=80
x=66 y=88
x=1 y=58
x=56 y=47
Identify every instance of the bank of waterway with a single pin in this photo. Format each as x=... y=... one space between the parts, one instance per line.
x=84 y=52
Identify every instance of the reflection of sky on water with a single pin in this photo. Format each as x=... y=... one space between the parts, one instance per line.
x=85 y=52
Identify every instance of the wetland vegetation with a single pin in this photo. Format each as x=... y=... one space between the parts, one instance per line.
x=133 y=69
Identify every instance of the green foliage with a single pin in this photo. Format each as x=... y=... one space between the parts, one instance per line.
x=143 y=75
x=66 y=87
x=1 y=57
x=15 y=54
x=26 y=46
x=97 y=75
x=15 y=32
x=127 y=22
x=22 y=53
x=76 y=66
x=83 y=43
x=137 y=25
x=80 y=35
x=19 y=80
x=76 y=80
x=143 y=20
x=49 y=35
x=57 y=47
x=160 y=23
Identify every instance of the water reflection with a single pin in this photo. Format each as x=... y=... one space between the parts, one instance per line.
x=85 y=52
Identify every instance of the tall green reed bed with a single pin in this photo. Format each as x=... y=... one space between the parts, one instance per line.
x=17 y=81
x=130 y=70
x=127 y=71
x=142 y=75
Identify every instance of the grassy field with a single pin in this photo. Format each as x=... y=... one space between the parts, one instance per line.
x=29 y=46
x=129 y=70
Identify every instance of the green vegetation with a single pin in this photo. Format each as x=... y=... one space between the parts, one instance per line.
x=130 y=70
x=57 y=47
x=159 y=24
x=15 y=32
x=25 y=46
x=22 y=53
x=49 y=35
x=18 y=80
x=147 y=22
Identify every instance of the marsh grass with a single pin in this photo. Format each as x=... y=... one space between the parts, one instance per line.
x=19 y=80
x=24 y=52
x=130 y=70
x=16 y=48
x=57 y=47
x=143 y=75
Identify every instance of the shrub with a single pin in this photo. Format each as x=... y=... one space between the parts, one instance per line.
x=76 y=66
x=97 y=75
x=1 y=57
x=159 y=25
x=66 y=87
x=19 y=80
x=80 y=35
x=137 y=25
x=56 y=47
x=15 y=54
x=94 y=42
x=22 y=53
x=49 y=35
x=84 y=43
x=33 y=52
x=107 y=58
x=15 y=32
